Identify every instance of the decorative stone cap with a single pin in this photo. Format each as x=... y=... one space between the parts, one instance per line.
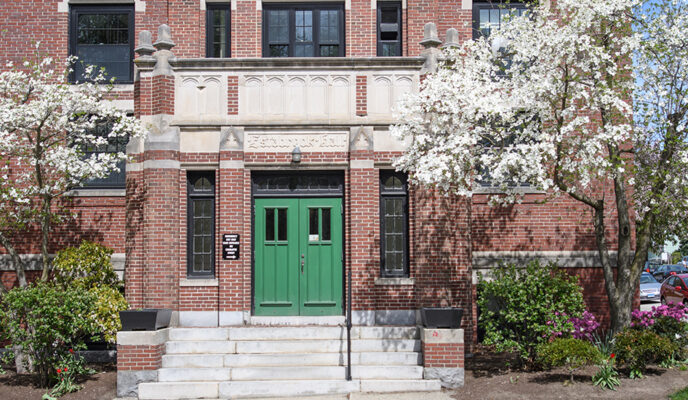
x=454 y=336
x=452 y=38
x=145 y=49
x=143 y=338
x=430 y=38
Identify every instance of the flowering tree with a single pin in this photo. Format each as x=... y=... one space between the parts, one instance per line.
x=47 y=143
x=553 y=100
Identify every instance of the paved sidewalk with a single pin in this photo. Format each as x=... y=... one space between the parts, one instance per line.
x=364 y=396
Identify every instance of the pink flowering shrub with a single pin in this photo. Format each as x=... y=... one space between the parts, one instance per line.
x=668 y=321
x=646 y=319
x=578 y=327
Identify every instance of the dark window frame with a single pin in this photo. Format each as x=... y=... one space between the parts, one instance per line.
x=397 y=194
x=76 y=9
x=490 y=5
x=292 y=7
x=191 y=195
x=210 y=7
x=115 y=180
x=399 y=41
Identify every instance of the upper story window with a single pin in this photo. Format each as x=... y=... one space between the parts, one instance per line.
x=103 y=36
x=217 y=42
x=303 y=30
x=389 y=29
x=116 y=179
x=489 y=16
x=394 y=224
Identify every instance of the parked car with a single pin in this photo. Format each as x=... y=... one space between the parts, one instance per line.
x=652 y=265
x=675 y=289
x=664 y=271
x=649 y=287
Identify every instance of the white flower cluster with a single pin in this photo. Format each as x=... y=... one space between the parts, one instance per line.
x=47 y=127
x=579 y=97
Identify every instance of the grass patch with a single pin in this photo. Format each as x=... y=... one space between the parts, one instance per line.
x=680 y=395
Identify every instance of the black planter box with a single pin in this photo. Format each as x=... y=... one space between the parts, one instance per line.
x=441 y=317
x=148 y=319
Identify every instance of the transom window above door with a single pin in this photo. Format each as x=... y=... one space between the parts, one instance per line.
x=303 y=30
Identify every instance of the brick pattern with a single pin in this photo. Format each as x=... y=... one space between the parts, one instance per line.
x=162 y=97
x=246 y=30
x=443 y=355
x=361 y=29
x=232 y=95
x=361 y=95
x=306 y=157
x=231 y=212
x=139 y=358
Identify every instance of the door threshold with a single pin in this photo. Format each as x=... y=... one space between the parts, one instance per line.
x=329 y=320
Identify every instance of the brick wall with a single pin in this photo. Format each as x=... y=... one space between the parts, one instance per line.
x=443 y=355
x=139 y=357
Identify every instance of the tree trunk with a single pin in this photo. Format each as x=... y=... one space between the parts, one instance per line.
x=17 y=262
x=45 y=234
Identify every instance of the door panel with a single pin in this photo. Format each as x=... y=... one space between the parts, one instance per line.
x=321 y=246
x=298 y=257
x=276 y=248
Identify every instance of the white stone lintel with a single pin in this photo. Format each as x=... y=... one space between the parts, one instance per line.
x=362 y=164
x=143 y=338
x=454 y=336
x=198 y=282
x=394 y=281
x=231 y=164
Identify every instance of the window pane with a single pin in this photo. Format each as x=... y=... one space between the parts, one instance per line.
x=313 y=221
x=329 y=51
x=326 y=234
x=303 y=50
x=282 y=224
x=270 y=224
x=279 y=50
x=388 y=15
x=278 y=26
x=390 y=50
x=329 y=26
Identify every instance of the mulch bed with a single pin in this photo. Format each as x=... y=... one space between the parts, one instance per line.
x=499 y=376
x=99 y=386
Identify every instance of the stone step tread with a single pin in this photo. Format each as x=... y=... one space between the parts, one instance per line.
x=254 y=333
x=290 y=346
x=290 y=388
x=285 y=359
x=288 y=373
x=178 y=390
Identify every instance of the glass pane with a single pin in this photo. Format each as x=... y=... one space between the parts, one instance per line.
x=203 y=184
x=103 y=29
x=329 y=51
x=279 y=50
x=313 y=221
x=390 y=50
x=197 y=263
x=197 y=244
x=326 y=221
x=392 y=35
x=278 y=26
x=270 y=224
x=303 y=50
x=282 y=224
x=329 y=26
x=388 y=15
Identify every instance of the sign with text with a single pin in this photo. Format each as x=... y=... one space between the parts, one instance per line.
x=230 y=246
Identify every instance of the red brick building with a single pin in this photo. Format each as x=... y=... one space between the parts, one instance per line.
x=266 y=179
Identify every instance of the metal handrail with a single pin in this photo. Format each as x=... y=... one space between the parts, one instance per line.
x=348 y=325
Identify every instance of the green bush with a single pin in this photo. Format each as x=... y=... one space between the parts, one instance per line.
x=637 y=348
x=46 y=322
x=88 y=267
x=520 y=305
x=568 y=352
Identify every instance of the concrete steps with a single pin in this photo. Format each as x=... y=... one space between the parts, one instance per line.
x=264 y=362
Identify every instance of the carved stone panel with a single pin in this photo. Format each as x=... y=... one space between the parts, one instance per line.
x=306 y=141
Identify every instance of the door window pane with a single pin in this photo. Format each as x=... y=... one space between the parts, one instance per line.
x=326 y=221
x=313 y=221
x=282 y=224
x=269 y=224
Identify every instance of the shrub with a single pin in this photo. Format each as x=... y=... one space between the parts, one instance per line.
x=667 y=321
x=517 y=304
x=568 y=352
x=46 y=321
x=88 y=267
x=637 y=348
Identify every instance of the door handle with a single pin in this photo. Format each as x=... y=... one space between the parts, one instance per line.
x=302 y=262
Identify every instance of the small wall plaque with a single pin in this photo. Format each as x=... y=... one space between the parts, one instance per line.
x=230 y=246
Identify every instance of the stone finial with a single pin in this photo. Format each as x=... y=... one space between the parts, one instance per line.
x=163 y=56
x=430 y=38
x=145 y=49
x=164 y=41
x=452 y=40
x=431 y=53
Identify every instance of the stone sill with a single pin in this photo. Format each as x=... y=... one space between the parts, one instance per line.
x=198 y=282
x=395 y=281
x=97 y=193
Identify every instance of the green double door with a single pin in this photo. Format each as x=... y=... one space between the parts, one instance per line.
x=298 y=256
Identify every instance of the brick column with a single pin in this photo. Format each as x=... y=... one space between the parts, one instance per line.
x=443 y=356
x=139 y=355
